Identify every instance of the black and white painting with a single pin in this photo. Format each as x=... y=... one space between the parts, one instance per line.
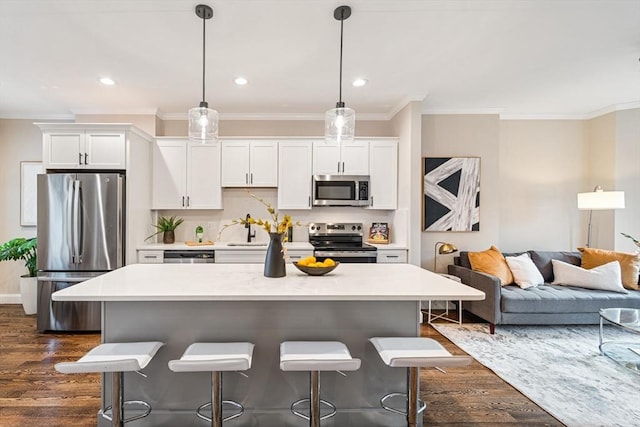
x=451 y=193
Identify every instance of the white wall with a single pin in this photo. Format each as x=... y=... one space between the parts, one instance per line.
x=408 y=127
x=20 y=141
x=627 y=176
x=542 y=169
x=466 y=135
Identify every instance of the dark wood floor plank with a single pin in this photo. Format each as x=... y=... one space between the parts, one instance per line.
x=33 y=394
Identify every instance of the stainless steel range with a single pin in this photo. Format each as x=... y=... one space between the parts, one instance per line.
x=341 y=242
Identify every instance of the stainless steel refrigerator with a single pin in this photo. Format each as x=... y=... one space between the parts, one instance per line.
x=80 y=235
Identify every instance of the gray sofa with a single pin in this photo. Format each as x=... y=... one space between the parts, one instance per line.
x=542 y=305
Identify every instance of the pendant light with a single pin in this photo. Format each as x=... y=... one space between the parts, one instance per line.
x=203 y=121
x=340 y=122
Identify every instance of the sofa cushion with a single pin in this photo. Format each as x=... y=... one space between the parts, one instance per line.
x=542 y=260
x=606 y=277
x=629 y=263
x=491 y=261
x=563 y=299
x=525 y=273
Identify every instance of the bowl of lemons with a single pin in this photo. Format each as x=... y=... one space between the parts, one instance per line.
x=312 y=267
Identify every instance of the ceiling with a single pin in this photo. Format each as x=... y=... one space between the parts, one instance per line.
x=567 y=58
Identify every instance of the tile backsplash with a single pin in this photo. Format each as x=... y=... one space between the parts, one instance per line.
x=238 y=203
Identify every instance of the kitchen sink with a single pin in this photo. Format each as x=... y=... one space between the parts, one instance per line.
x=247 y=244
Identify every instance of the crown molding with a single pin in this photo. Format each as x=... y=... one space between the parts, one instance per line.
x=38 y=116
x=428 y=111
x=124 y=112
x=275 y=116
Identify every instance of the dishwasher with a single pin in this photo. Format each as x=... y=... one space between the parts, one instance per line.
x=188 y=257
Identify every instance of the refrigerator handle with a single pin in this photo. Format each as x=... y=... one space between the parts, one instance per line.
x=75 y=232
x=80 y=223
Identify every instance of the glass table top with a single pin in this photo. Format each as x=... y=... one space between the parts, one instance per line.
x=627 y=318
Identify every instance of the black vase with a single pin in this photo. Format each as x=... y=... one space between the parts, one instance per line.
x=274 y=265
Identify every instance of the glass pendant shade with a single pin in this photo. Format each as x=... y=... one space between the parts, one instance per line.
x=339 y=125
x=203 y=124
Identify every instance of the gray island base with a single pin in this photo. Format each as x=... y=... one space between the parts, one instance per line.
x=179 y=304
x=268 y=392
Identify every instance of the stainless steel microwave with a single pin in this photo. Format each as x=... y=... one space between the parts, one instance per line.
x=341 y=190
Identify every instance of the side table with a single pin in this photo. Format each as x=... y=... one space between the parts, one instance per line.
x=445 y=316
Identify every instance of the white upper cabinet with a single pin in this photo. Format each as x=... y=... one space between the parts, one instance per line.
x=186 y=175
x=349 y=158
x=249 y=163
x=383 y=171
x=84 y=149
x=295 y=168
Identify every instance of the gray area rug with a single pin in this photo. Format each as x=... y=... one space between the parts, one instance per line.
x=558 y=367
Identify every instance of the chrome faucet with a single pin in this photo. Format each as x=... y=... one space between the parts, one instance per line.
x=247 y=225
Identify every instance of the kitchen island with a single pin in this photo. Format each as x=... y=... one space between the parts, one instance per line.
x=180 y=304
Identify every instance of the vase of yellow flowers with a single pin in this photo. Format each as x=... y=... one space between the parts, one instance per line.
x=274 y=263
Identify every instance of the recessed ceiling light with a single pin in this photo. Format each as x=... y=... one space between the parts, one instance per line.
x=107 y=81
x=240 y=81
x=360 y=82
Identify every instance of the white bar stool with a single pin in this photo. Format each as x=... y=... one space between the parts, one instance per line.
x=413 y=353
x=117 y=358
x=215 y=358
x=315 y=356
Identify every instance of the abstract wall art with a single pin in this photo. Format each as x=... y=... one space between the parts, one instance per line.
x=451 y=194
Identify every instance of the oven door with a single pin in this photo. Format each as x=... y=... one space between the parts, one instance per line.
x=352 y=257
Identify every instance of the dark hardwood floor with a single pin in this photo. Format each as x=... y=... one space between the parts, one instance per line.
x=33 y=394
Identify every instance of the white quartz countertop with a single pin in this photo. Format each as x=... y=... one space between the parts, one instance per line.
x=246 y=282
x=222 y=246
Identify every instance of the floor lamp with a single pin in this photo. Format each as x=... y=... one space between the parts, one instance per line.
x=599 y=200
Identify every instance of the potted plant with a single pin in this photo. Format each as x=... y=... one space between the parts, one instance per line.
x=167 y=226
x=24 y=249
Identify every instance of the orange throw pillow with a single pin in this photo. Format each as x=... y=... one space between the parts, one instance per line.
x=629 y=263
x=492 y=262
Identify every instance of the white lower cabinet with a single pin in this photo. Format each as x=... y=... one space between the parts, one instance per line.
x=297 y=255
x=150 y=257
x=390 y=256
x=240 y=256
x=243 y=256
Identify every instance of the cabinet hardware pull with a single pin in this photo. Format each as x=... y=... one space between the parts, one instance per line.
x=246 y=178
x=183 y=201
x=338 y=167
x=251 y=178
x=85 y=158
x=79 y=158
x=393 y=256
x=342 y=167
x=150 y=256
x=188 y=202
x=309 y=201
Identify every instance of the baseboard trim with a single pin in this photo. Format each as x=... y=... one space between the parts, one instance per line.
x=10 y=299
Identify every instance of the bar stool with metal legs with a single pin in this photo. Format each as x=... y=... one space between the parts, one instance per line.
x=315 y=356
x=413 y=353
x=116 y=358
x=216 y=358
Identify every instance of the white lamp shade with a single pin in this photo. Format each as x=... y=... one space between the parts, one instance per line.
x=601 y=200
x=340 y=125
x=203 y=124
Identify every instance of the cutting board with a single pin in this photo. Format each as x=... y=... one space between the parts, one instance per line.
x=205 y=243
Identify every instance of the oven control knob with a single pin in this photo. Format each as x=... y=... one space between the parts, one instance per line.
x=353 y=227
x=359 y=227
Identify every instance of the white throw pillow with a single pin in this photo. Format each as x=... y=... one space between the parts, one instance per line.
x=606 y=277
x=525 y=273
